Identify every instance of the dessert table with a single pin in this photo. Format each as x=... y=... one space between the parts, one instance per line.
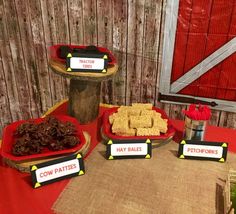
x=17 y=195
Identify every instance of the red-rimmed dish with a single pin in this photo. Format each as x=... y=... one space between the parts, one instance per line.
x=9 y=139
x=55 y=52
x=108 y=133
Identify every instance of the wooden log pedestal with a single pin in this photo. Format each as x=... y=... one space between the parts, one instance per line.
x=85 y=90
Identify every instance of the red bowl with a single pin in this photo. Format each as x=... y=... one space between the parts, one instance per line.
x=107 y=127
x=54 y=52
x=9 y=139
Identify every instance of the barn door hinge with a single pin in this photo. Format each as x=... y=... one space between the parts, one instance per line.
x=172 y=98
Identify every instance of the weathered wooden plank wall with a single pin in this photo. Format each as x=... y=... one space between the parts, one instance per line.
x=132 y=29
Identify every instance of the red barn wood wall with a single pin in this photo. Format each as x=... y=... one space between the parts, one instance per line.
x=133 y=30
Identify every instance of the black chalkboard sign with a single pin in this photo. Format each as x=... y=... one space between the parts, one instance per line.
x=203 y=150
x=123 y=149
x=87 y=62
x=55 y=170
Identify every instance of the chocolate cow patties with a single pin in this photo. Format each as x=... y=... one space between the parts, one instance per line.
x=53 y=134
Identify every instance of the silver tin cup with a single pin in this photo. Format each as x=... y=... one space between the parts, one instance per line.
x=194 y=129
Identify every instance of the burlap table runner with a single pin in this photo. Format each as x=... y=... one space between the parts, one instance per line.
x=162 y=184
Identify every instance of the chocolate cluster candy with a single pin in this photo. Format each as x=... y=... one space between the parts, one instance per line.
x=53 y=134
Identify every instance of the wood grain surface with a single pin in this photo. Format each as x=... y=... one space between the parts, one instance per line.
x=60 y=69
x=132 y=29
x=84 y=99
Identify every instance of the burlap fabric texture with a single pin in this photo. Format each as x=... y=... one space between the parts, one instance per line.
x=163 y=184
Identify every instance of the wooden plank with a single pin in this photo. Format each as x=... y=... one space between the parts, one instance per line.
x=120 y=27
x=29 y=56
x=75 y=15
x=209 y=82
x=176 y=111
x=6 y=60
x=89 y=22
x=55 y=27
x=215 y=116
x=221 y=16
x=152 y=27
x=49 y=25
x=105 y=39
x=5 y=111
x=15 y=52
x=199 y=22
x=61 y=21
x=166 y=107
x=39 y=46
x=217 y=36
x=160 y=52
x=104 y=23
x=227 y=119
x=181 y=39
x=171 y=14
x=134 y=50
x=63 y=34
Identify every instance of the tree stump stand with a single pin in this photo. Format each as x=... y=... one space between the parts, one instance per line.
x=85 y=90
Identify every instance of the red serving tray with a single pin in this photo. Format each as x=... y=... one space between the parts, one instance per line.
x=54 y=52
x=9 y=138
x=107 y=127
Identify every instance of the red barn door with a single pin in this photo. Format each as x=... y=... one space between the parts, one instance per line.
x=203 y=52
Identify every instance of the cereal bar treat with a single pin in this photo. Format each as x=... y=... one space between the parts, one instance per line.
x=120 y=125
x=134 y=112
x=147 y=112
x=161 y=124
x=140 y=121
x=123 y=108
x=129 y=132
x=130 y=110
x=156 y=114
x=147 y=106
x=123 y=114
x=148 y=131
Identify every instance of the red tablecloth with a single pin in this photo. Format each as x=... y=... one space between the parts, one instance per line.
x=17 y=195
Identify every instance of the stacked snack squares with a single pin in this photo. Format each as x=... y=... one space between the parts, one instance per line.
x=137 y=120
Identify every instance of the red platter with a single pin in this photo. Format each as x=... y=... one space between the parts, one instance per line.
x=107 y=127
x=54 y=53
x=9 y=139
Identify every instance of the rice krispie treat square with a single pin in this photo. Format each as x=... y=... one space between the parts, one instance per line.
x=147 y=106
x=134 y=112
x=148 y=131
x=161 y=124
x=129 y=132
x=120 y=125
x=123 y=114
x=156 y=114
x=147 y=112
x=144 y=121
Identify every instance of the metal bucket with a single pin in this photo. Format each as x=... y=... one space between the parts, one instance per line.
x=194 y=129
